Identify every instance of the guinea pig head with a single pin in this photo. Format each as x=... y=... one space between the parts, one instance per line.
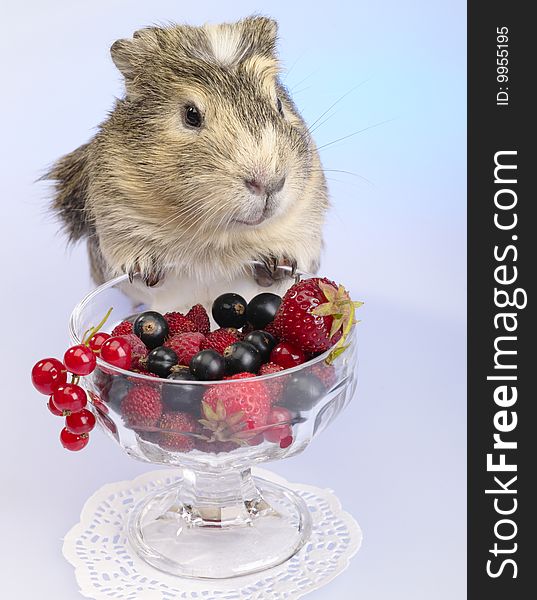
x=211 y=136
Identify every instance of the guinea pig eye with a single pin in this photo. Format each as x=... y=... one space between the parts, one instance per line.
x=193 y=116
x=279 y=106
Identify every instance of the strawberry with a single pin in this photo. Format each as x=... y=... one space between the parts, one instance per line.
x=141 y=407
x=178 y=323
x=170 y=424
x=269 y=368
x=198 y=315
x=315 y=314
x=123 y=328
x=185 y=345
x=231 y=411
x=220 y=339
x=275 y=384
x=138 y=350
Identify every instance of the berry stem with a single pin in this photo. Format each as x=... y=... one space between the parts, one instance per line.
x=92 y=330
x=339 y=348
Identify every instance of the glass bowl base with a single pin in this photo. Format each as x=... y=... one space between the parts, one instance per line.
x=219 y=541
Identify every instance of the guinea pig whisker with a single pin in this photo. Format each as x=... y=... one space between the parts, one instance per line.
x=293 y=88
x=341 y=171
x=356 y=133
x=353 y=89
x=167 y=223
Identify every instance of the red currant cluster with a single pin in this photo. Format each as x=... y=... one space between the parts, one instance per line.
x=68 y=399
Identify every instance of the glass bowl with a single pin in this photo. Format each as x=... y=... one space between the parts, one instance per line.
x=218 y=521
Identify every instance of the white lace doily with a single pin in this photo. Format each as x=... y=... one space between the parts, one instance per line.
x=107 y=567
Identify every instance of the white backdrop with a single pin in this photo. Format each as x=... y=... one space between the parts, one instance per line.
x=397 y=456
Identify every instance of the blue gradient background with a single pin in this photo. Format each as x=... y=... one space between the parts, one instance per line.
x=396 y=236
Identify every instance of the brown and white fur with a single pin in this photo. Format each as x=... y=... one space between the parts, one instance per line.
x=180 y=204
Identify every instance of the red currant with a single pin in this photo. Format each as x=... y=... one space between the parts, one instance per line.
x=48 y=374
x=73 y=441
x=286 y=442
x=53 y=408
x=70 y=397
x=80 y=422
x=99 y=405
x=97 y=340
x=278 y=433
x=287 y=355
x=80 y=360
x=117 y=352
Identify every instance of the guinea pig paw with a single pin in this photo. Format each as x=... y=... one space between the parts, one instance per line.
x=267 y=273
x=151 y=277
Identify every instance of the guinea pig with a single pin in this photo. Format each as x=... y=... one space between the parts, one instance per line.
x=204 y=165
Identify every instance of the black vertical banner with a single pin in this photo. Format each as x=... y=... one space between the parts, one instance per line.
x=502 y=268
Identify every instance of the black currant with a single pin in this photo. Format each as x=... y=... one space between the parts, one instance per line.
x=240 y=357
x=161 y=360
x=207 y=365
x=302 y=391
x=263 y=341
x=116 y=391
x=262 y=309
x=229 y=310
x=182 y=397
x=152 y=328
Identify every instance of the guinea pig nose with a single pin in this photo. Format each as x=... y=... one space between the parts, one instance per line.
x=255 y=186
x=276 y=187
x=261 y=189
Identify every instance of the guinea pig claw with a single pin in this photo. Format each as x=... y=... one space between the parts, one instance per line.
x=268 y=273
x=294 y=266
x=263 y=275
x=153 y=278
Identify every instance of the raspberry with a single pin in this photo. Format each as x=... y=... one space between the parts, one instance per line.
x=198 y=315
x=220 y=339
x=138 y=349
x=178 y=323
x=326 y=373
x=185 y=345
x=275 y=384
x=141 y=407
x=122 y=329
x=173 y=422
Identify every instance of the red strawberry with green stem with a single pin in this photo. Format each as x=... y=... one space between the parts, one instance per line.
x=231 y=411
x=315 y=314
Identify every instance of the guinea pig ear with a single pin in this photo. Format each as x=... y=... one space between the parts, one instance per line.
x=127 y=54
x=123 y=54
x=260 y=35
